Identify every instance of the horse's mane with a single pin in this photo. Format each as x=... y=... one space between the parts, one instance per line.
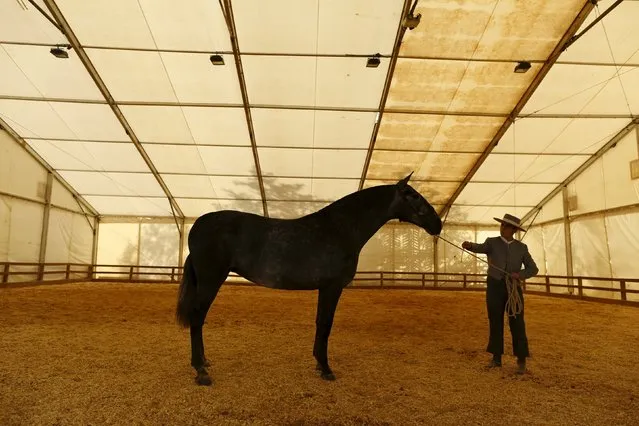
x=361 y=200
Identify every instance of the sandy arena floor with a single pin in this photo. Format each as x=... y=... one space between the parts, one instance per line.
x=112 y=354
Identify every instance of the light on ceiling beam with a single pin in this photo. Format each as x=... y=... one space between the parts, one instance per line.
x=411 y=21
x=217 y=60
x=372 y=62
x=58 y=52
x=522 y=67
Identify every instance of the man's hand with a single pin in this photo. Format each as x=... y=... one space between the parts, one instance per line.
x=514 y=275
x=466 y=245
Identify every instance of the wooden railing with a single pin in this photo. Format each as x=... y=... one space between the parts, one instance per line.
x=621 y=290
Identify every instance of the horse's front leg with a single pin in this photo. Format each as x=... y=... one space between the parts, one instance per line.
x=326 y=305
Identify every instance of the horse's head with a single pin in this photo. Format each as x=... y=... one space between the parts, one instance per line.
x=409 y=206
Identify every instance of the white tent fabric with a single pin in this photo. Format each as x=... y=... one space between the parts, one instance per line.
x=146 y=129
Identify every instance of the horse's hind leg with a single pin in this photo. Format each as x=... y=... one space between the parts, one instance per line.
x=326 y=305
x=209 y=284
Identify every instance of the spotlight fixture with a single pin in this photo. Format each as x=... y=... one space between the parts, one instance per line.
x=411 y=21
x=372 y=63
x=59 y=52
x=522 y=67
x=217 y=59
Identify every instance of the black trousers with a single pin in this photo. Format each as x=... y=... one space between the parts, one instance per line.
x=496 y=296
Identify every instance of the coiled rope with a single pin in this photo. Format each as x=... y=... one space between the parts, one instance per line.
x=514 y=302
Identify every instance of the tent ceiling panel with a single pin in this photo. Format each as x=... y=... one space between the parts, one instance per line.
x=290 y=162
x=585 y=89
x=528 y=168
x=310 y=27
x=436 y=193
x=312 y=128
x=306 y=189
x=130 y=206
x=504 y=194
x=559 y=135
x=482 y=215
x=214 y=187
x=457 y=86
x=191 y=159
x=142 y=76
x=90 y=156
x=432 y=166
x=106 y=183
x=62 y=120
x=293 y=209
x=31 y=71
x=188 y=125
x=489 y=29
x=148 y=24
x=309 y=81
x=612 y=40
x=436 y=132
x=194 y=207
x=21 y=22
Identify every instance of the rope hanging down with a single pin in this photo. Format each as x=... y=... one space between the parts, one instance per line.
x=514 y=303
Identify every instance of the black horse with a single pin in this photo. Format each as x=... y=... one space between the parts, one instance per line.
x=319 y=251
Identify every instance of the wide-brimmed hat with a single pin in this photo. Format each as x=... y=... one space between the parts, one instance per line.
x=510 y=220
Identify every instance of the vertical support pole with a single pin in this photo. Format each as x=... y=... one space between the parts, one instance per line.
x=5 y=273
x=137 y=261
x=94 y=249
x=45 y=226
x=435 y=262
x=622 y=288
x=181 y=230
x=568 y=239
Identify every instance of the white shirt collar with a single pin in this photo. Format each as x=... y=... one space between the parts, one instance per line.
x=505 y=240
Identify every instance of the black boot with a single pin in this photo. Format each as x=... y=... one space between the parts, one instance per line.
x=521 y=365
x=495 y=362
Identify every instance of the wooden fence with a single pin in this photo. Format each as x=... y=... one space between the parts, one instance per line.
x=604 y=289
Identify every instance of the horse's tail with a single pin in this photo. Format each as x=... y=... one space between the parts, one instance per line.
x=186 y=295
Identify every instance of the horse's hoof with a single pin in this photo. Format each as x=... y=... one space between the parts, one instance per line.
x=206 y=363
x=328 y=376
x=203 y=380
x=318 y=367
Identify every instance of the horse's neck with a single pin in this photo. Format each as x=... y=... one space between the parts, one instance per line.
x=361 y=214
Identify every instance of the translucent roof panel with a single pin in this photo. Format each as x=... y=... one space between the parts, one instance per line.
x=528 y=168
x=293 y=209
x=308 y=81
x=612 y=40
x=105 y=183
x=62 y=120
x=20 y=21
x=192 y=207
x=148 y=24
x=457 y=86
x=309 y=128
x=202 y=159
x=214 y=187
x=188 y=125
x=489 y=29
x=289 y=162
x=130 y=206
x=324 y=27
x=433 y=166
x=504 y=194
x=586 y=89
x=89 y=156
x=141 y=76
x=436 y=193
x=31 y=71
x=436 y=132
x=482 y=215
x=559 y=135
x=288 y=189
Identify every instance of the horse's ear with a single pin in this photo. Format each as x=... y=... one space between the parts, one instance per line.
x=402 y=183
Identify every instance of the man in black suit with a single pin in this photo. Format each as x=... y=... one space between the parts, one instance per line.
x=505 y=254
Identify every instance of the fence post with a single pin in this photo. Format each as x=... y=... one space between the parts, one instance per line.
x=172 y=273
x=580 y=287
x=381 y=279
x=68 y=271
x=465 y=281
x=547 y=284
x=90 y=273
x=5 y=273
x=131 y=273
x=622 y=287
x=423 y=280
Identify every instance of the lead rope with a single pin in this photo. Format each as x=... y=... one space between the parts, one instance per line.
x=514 y=303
